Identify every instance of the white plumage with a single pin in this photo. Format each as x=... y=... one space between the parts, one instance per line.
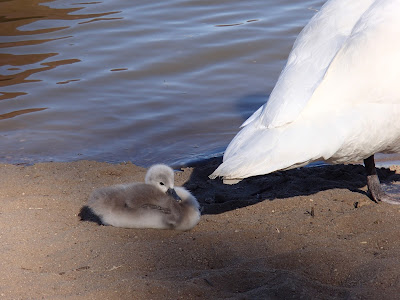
x=337 y=99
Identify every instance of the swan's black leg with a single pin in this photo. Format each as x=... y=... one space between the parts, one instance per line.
x=374 y=185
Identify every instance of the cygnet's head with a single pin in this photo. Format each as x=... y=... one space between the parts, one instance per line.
x=162 y=176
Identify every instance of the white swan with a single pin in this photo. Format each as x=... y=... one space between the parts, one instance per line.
x=337 y=99
x=153 y=204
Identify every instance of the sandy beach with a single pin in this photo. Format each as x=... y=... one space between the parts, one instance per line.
x=310 y=233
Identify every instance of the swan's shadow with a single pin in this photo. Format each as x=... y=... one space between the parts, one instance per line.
x=216 y=197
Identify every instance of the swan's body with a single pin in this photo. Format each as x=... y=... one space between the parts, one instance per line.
x=337 y=99
x=153 y=204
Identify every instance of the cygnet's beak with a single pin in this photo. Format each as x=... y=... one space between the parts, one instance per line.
x=171 y=192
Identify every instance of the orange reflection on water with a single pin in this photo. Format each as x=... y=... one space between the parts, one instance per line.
x=15 y=16
x=19 y=112
x=18 y=13
x=21 y=60
x=4 y=95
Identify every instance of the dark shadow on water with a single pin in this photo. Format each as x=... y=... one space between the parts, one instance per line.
x=216 y=197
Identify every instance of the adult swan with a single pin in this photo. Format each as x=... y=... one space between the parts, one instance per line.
x=337 y=99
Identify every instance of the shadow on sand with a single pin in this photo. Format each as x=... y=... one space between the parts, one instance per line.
x=216 y=197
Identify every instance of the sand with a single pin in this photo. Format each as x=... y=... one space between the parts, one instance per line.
x=310 y=233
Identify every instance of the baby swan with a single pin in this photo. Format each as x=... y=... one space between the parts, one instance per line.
x=152 y=204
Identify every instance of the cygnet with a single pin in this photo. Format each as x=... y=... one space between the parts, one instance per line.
x=152 y=204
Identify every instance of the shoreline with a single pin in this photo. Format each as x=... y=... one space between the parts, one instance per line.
x=381 y=160
x=308 y=233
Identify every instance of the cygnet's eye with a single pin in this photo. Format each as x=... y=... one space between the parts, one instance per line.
x=162 y=183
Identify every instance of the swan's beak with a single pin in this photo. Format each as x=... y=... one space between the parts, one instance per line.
x=173 y=194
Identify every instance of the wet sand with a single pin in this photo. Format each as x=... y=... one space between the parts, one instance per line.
x=309 y=233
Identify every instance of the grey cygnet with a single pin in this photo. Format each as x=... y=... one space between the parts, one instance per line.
x=152 y=204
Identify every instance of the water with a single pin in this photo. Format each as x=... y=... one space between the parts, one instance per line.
x=144 y=81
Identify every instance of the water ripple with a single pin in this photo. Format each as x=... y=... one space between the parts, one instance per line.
x=153 y=81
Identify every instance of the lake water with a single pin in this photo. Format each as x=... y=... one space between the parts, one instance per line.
x=142 y=81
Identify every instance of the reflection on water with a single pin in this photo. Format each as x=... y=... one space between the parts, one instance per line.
x=21 y=73
x=147 y=81
x=21 y=26
x=19 y=112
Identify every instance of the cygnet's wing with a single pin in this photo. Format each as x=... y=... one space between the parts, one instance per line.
x=156 y=208
x=312 y=53
x=146 y=196
x=125 y=196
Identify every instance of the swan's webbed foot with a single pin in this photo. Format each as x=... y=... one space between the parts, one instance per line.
x=374 y=186
x=375 y=190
